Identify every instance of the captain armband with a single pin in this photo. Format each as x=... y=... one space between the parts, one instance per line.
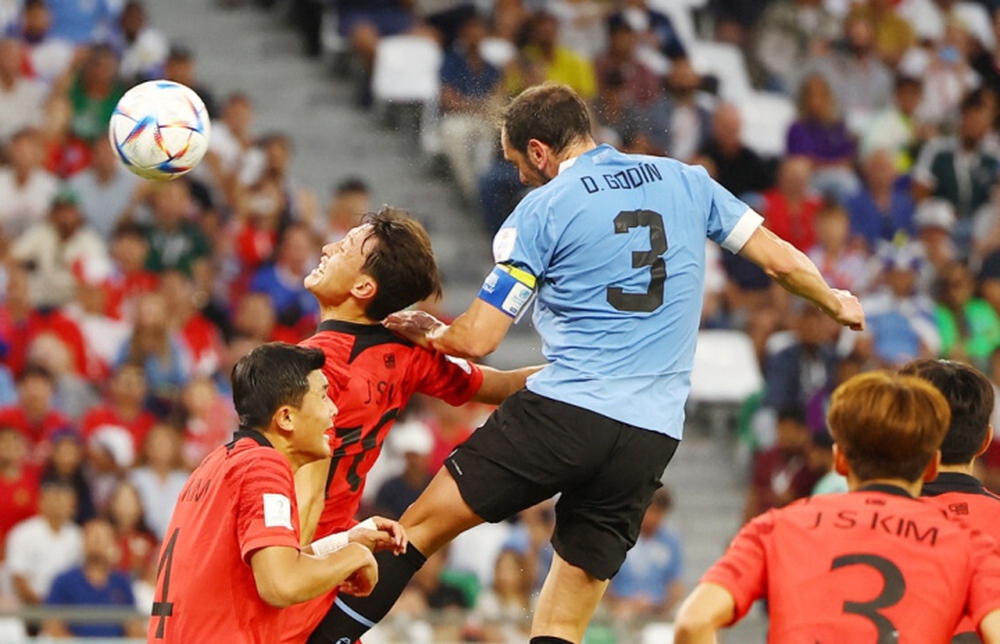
x=509 y=289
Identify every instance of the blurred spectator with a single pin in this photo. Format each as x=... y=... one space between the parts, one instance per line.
x=935 y=220
x=882 y=207
x=207 y=418
x=895 y=129
x=202 y=340
x=106 y=190
x=582 y=25
x=430 y=590
x=175 y=240
x=158 y=350
x=365 y=22
x=52 y=248
x=900 y=317
x=48 y=57
x=617 y=120
x=641 y=85
x=34 y=414
x=861 y=83
x=782 y=473
x=677 y=121
x=44 y=546
x=789 y=207
x=735 y=19
x=159 y=477
x=820 y=134
x=130 y=277
x=231 y=149
x=143 y=48
x=985 y=62
x=988 y=281
x=95 y=92
x=943 y=66
x=840 y=262
x=961 y=169
x=893 y=34
x=543 y=58
x=94 y=583
x=83 y=22
x=19 y=482
x=281 y=279
x=110 y=454
x=470 y=89
x=27 y=188
x=821 y=456
x=449 y=426
x=65 y=154
x=65 y=467
x=122 y=407
x=73 y=394
x=532 y=538
x=351 y=199
x=180 y=68
x=21 y=98
x=649 y=583
x=90 y=309
x=256 y=319
x=656 y=30
x=789 y=32
x=738 y=168
x=414 y=442
x=135 y=542
x=508 y=600
x=968 y=325
x=795 y=373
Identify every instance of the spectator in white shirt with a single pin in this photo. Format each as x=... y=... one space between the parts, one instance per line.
x=106 y=190
x=21 y=98
x=160 y=479
x=26 y=188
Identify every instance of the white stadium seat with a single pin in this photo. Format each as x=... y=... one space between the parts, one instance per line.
x=407 y=70
x=726 y=63
x=725 y=368
x=766 y=119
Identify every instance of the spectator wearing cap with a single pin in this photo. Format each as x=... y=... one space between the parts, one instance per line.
x=51 y=248
x=106 y=190
x=900 y=317
x=143 y=47
x=90 y=309
x=34 y=415
x=882 y=207
x=935 y=221
x=414 y=442
x=649 y=583
x=961 y=169
x=65 y=467
x=896 y=129
x=21 y=98
x=968 y=325
x=27 y=188
x=44 y=546
x=19 y=482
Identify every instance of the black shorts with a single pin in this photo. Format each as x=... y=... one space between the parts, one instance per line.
x=533 y=447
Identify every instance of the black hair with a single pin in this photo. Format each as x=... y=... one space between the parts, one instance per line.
x=552 y=113
x=270 y=376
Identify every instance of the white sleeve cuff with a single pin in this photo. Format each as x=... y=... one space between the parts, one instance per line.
x=741 y=232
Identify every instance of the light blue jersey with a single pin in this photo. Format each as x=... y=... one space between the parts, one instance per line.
x=616 y=243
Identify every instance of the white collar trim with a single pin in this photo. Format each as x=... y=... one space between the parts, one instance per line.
x=567 y=164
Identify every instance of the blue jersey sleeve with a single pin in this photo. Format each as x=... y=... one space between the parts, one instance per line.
x=730 y=221
x=526 y=240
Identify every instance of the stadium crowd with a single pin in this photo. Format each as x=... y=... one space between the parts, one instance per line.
x=126 y=303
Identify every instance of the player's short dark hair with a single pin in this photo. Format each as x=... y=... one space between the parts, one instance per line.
x=270 y=376
x=351 y=185
x=888 y=425
x=971 y=398
x=552 y=113
x=401 y=262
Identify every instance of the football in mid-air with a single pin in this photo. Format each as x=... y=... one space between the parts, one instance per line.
x=160 y=129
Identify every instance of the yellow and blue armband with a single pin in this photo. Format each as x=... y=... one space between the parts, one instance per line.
x=509 y=289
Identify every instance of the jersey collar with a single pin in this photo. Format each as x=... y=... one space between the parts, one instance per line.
x=256 y=437
x=568 y=163
x=885 y=489
x=352 y=328
x=952 y=482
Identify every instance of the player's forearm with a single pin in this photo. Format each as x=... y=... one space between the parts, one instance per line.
x=685 y=633
x=287 y=576
x=497 y=385
x=799 y=276
x=989 y=628
x=462 y=339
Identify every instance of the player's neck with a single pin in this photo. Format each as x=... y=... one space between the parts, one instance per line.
x=575 y=149
x=345 y=312
x=911 y=487
x=956 y=469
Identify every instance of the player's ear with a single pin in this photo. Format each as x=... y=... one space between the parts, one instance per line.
x=283 y=418
x=537 y=152
x=364 y=288
x=986 y=441
x=840 y=465
x=931 y=471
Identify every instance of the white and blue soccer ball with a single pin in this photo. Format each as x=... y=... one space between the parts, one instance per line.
x=160 y=129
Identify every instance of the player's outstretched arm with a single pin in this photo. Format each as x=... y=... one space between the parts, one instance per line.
x=286 y=576
x=497 y=384
x=474 y=334
x=796 y=273
x=989 y=628
x=310 y=495
x=708 y=608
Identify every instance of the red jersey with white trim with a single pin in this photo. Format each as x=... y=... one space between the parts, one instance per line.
x=239 y=500
x=963 y=497
x=871 y=565
x=385 y=370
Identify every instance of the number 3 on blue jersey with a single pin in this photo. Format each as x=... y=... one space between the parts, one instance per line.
x=652 y=299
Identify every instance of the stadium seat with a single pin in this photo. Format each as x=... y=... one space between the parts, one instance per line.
x=658 y=633
x=680 y=15
x=726 y=63
x=766 y=119
x=406 y=70
x=725 y=368
x=497 y=51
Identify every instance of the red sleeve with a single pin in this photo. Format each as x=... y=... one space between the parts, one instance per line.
x=266 y=514
x=984 y=591
x=743 y=569
x=453 y=380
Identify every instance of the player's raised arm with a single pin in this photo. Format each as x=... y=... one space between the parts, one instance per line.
x=286 y=576
x=497 y=384
x=474 y=334
x=706 y=610
x=310 y=494
x=989 y=628
x=797 y=274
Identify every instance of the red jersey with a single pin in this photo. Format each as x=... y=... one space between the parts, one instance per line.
x=106 y=414
x=239 y=500
x=19 y=500
x=858 y=567
x=963 y=497
x=385 y=371
x=34 y=431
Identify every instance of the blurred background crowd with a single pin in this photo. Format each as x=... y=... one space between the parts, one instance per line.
x=865 y=132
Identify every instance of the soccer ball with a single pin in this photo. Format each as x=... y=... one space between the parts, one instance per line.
x=160 y=129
